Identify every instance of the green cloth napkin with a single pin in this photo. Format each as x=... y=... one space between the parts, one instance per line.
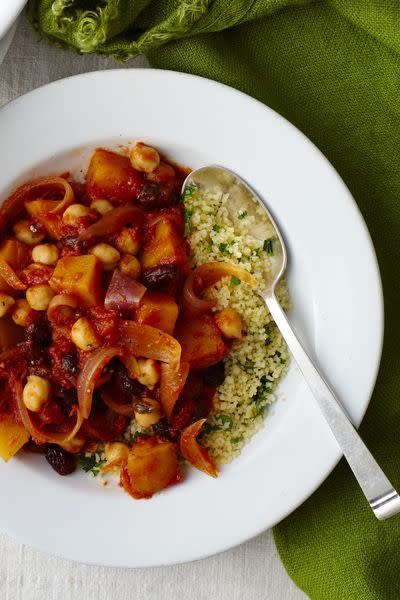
x=332 y=68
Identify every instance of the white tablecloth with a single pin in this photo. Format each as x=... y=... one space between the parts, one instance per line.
x=252 y=571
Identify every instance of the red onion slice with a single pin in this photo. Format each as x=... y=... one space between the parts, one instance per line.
x=124 y=293
x=112 y=222
x=89 y=375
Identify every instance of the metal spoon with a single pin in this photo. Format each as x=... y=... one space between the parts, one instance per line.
x=381 y=495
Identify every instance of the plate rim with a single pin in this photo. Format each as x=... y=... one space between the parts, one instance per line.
x=373 y=264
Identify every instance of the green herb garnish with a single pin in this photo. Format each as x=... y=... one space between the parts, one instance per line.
x=235 y=280
x=260 y=397
x=268 y=246
x=187 y=216
x=242 y=215
x=225 y=421
x=189 y=191
x=217 y=228
x=237 y=440
x=223 y=248
x=90 y=465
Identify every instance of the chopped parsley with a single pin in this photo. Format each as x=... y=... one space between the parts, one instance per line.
x=260 y=397
x=217 y=228
x=235 y=280
x=242 y=215
x=237 y=440
x=223 y=423
x=189 y=191
x=268 y=246
x=90 y=464
x=187 y=216
x=223 y=248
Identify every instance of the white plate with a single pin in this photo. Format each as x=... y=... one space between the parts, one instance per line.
x=335 y=287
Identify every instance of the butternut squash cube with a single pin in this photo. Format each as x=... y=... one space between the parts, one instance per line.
x=12 y=437
x=164 y=246
x=80 y=276
x=158 y=310
x=201 y=341
x=52 y=222
x=111 y=176
x=152 y=466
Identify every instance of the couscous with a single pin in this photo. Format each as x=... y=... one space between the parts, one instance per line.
x=221 y=228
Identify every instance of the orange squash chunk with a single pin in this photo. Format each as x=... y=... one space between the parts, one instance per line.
x=42 y=211
x=164 y=246
x=152 y=466
x=201 y=341
x=12 y=437
x=112 y=176
x=80 y=276
x=158 y=310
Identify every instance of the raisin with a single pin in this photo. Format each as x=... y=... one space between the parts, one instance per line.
x=165 y=279
x=39 y=334
x=214 y=375
x=166 y=431
x=66 y=399
x=63 y=462
x=155 y=196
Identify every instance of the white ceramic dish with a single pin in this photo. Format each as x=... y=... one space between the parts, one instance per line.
x=9 y=11
x=197 y=121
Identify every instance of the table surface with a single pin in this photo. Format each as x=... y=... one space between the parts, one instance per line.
x=252 y=571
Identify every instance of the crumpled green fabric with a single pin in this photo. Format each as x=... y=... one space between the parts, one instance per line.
x=332 y=67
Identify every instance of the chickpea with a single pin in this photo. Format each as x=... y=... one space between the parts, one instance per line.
x=83 y=335
x=23 y=314
x=116 y=452
x=144 y=158
x=39 y=296
x=128 y=241
x=25 y=232
x=132 y=366
x=149 y=372
x=6 y=302
x=130 y=266
x=75 y=212
x=148 y=412
x=106 y=254
x=101 y=206
x=46 y=254
x=36 y=392
x=230 y=323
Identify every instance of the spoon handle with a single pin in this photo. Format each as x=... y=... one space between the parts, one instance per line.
x=381 y=495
